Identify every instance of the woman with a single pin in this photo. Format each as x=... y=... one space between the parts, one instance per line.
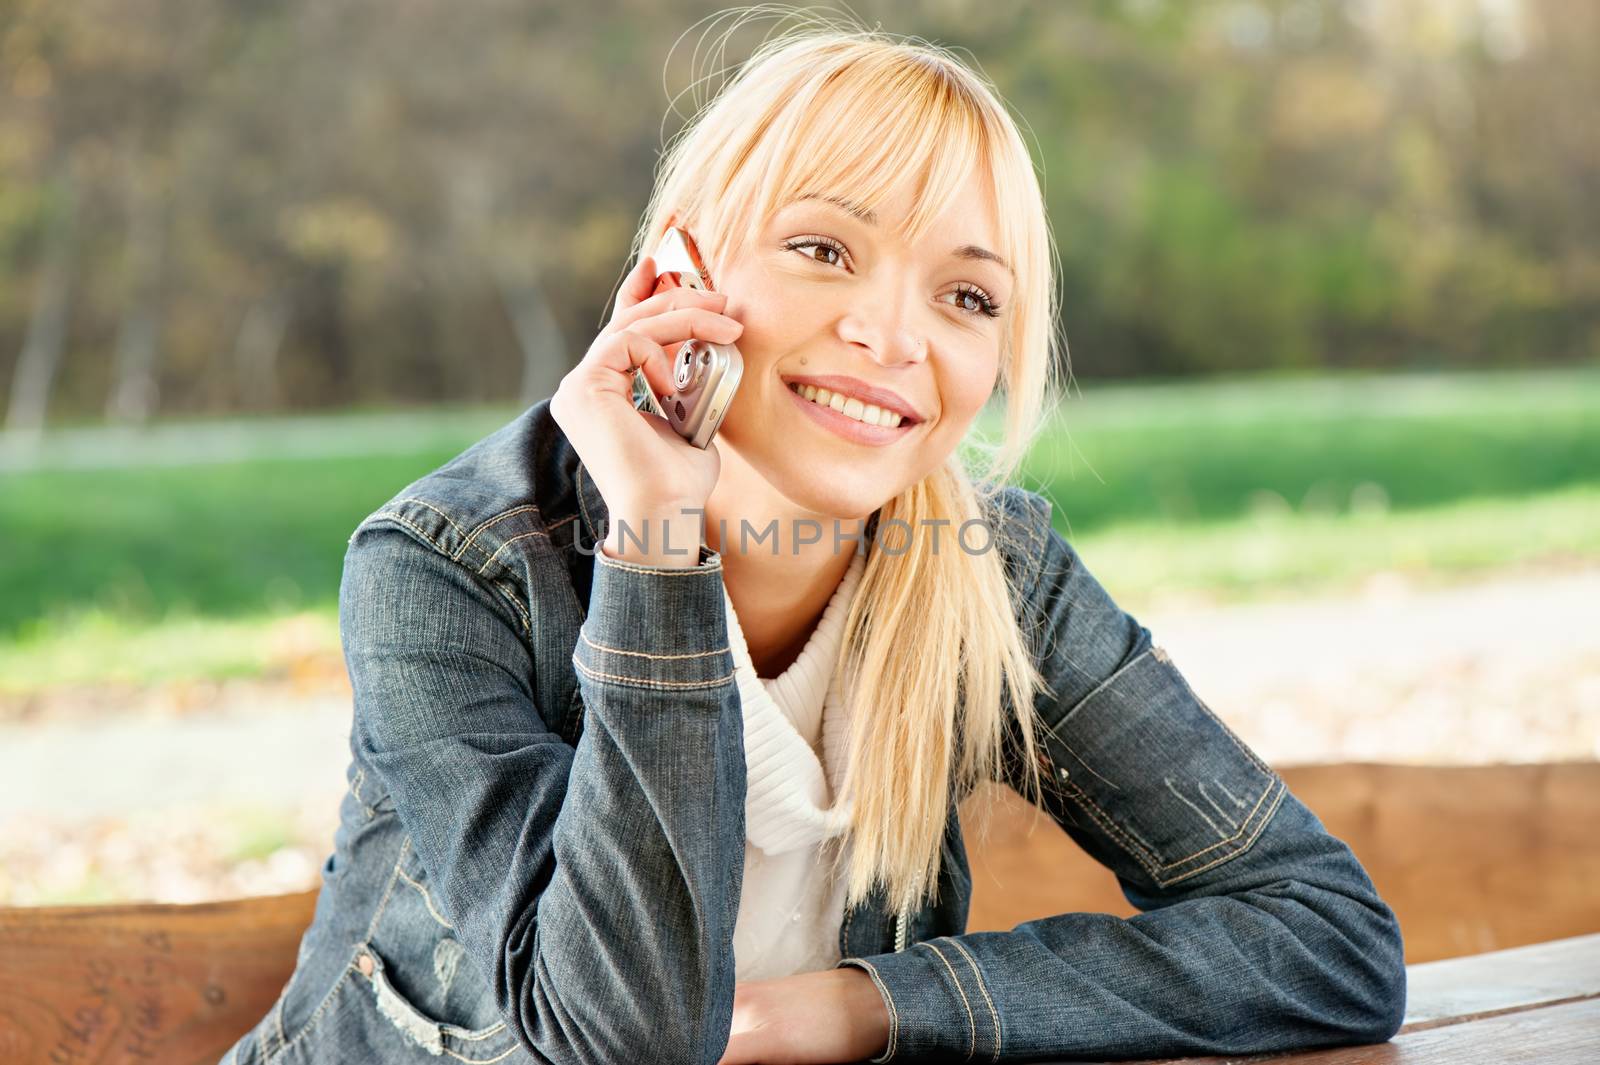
x=629 y=784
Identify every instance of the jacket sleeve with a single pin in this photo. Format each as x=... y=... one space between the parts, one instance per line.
x=1258 y=930
x=590 y=883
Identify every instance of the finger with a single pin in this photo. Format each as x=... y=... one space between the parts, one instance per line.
x=662 y=302
x=689 y=323
x=614 y=359
x=639 y=284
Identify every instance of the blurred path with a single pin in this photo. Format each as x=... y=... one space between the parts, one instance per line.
x=270 y=753
x=1504 y=670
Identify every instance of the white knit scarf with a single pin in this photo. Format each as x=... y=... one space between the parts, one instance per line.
x=790 y=793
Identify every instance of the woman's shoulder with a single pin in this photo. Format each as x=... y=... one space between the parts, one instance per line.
x=494 y=502
x=1019 y=524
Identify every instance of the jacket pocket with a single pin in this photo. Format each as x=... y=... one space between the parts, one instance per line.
x=419 y=972
x=1158 y=775
x=399 y=1017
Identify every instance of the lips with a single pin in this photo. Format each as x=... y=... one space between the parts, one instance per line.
x=855 y=388
x=842 y=425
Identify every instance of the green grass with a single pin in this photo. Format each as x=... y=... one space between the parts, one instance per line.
x=1268 y=555
x=1221 y=449
x=260 y=536
x=100 y=647
x=1277 y=554
x=179 y=551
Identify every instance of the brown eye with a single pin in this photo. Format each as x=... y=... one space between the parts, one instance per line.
x=819 y=249
x=974 y=300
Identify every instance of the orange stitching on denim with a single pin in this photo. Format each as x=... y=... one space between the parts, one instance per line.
x=1282 y=791
x=1231 y=839
x=1093 y=809
x=643 y=682
x=511 y=597
x=408 y=523
x=527 y=622
x=507 y=543
x=1236 y=800
x=469 y=1035
x=972 y=1024
x=954 y=942
x=1154 y=871
x=424 y=503
x=645 y=654
x=496 y=520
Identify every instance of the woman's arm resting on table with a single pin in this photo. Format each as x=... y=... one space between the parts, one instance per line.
x=1260 y=931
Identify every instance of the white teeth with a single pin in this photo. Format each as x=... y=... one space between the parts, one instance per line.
x=850 y=407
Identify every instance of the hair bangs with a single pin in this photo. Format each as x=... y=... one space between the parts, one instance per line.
x=853 y=128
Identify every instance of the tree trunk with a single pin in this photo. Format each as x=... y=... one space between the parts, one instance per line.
x=47 y=329
x=544 y=349
x=255 y=350
x=134 y=389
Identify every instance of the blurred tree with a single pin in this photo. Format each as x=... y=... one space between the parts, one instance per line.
x=301 y=204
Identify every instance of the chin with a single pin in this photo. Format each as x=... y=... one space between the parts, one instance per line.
x=824 y=485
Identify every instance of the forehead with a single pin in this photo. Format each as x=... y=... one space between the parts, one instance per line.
x=968 y=218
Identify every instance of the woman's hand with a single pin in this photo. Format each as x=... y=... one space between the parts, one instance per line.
x=642 y=467
x=836 y=1015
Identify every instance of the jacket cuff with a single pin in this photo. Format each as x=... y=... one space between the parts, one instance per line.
x=939 y=1004
x=655 y=627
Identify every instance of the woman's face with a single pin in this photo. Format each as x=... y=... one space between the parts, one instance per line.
x=828 y=294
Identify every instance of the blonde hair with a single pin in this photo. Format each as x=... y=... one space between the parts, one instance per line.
x=932 y=644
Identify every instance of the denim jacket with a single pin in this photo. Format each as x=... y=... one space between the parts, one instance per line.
x=541 y=847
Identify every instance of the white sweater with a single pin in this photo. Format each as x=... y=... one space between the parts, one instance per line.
x=795 y=735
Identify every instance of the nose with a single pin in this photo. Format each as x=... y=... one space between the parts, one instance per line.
x=883 y=328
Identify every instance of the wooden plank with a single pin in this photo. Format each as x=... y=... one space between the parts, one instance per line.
x=1459 y=988
x=97 y=985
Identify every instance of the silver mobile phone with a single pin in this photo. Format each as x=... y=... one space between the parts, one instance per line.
x=705 y=376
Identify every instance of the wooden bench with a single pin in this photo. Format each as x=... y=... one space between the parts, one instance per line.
x=1497 y=851
x=142 y=983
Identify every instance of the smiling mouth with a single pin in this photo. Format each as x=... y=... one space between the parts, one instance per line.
x=854 y=409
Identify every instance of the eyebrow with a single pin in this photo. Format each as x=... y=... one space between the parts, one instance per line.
x=966 y=251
